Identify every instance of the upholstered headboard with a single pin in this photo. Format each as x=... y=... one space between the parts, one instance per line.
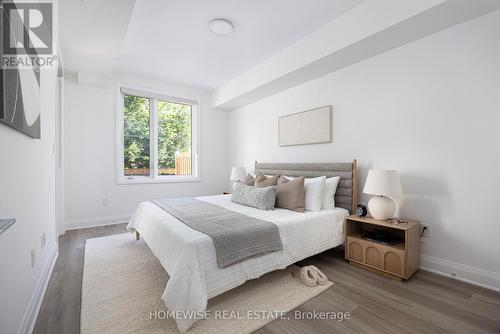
x=346 y=195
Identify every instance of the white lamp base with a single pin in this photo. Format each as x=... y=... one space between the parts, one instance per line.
x=381 y=207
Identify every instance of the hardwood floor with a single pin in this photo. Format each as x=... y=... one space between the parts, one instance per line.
x=60 y=310
x=427 y=303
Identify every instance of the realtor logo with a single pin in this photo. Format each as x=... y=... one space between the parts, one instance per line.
x=26 y=47
x=26 y=35
x=27 y=28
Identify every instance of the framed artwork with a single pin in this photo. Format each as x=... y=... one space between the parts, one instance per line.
x=19 y=83
x=307 y=127
x=20 y=108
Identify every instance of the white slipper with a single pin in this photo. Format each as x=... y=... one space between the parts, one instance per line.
x=305 y=275
x=318 y=275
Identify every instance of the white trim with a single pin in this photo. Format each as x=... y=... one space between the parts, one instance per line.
x=465 y=273
x=29 y=319
x=153 y=95
x=96 y=221
x=153 y=138
x=59 y=168
x=119 y=135
x=154 y=178
x=159 y=179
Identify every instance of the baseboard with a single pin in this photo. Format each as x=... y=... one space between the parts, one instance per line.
x=31 y=314
x=473 y=275
x=96 y=221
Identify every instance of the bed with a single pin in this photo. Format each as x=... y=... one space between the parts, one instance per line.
x=189 y=257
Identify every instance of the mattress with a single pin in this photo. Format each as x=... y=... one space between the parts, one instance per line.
x=189 y=257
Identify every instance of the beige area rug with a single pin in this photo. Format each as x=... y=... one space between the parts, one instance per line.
x=123 y=281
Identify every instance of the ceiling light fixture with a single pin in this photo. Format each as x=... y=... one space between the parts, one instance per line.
x=221 y=26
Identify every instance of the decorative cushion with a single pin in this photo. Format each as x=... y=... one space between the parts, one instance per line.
x=262 y=181
x=249 y=180
x=313 y=188
x=290 y=194
x=260 y=198
x=329 y=190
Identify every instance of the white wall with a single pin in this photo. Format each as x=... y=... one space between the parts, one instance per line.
x=90 y=157
x=27 y=193
x=431 y=109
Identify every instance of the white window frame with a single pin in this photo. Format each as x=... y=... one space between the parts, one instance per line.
x=121 y=178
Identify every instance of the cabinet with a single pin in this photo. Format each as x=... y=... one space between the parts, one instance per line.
x=400 y=260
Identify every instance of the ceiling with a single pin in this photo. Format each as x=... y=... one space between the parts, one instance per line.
x=91 y=32
x=170 y=39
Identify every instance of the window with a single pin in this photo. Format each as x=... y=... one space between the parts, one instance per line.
x=157 y=138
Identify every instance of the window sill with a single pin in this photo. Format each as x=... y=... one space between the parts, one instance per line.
x=146 y=180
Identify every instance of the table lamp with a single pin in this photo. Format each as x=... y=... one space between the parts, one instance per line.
x=237 y=173
x=382 y=183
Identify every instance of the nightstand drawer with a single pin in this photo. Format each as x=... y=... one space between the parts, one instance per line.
x=376 y=255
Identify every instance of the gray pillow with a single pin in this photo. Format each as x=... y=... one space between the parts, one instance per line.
x=260 y=198
x=290 y=194
x=249 y=180
x=262 y=181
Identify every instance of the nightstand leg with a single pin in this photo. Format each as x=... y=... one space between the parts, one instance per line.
x=137 y=235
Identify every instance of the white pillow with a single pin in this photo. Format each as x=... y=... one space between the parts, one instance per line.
x=313 y=189
x=329 y=192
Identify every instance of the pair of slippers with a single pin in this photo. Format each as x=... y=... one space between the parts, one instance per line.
x=309 y=275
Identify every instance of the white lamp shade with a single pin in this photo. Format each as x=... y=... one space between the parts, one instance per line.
x=237 y=173
x=383 y=182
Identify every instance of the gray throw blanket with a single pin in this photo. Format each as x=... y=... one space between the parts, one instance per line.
x=235 y=236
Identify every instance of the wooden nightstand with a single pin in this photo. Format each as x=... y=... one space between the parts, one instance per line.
x=396 y=261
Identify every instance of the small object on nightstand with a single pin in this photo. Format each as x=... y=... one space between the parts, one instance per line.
x=389 y=249
x=361 y=210
x=381 y=236
x=226 y=193
x=396 y=221
x=237 y=173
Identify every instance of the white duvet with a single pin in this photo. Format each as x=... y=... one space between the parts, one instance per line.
x=189 y=258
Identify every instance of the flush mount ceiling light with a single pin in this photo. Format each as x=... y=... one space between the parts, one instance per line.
x=221 y=26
